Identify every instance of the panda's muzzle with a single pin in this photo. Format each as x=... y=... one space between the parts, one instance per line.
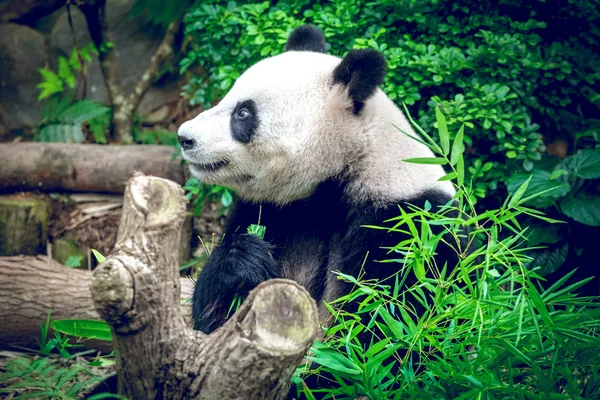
x=211 y=167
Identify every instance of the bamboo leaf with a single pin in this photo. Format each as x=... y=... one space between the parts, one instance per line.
x=443 y=130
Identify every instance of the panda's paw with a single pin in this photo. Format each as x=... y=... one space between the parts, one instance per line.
x=232 y=270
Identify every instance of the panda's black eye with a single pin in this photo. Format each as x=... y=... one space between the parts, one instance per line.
x=244 y=121
x=242 y=114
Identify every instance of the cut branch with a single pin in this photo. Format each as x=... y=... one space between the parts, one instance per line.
x=82 y=167
x=30 y=286
x=158 y=355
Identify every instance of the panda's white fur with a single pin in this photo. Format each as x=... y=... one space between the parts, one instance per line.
x=306 y=135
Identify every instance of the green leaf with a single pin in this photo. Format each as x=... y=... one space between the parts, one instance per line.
x=82 y=111
x=460 y=169
x=443 y=130
x=50 y=85
x=437 y=161
x=457 y=145
x=62 y=133
x=449 y=176
x=226 y=198
x=74 y=261
x=539 y=233
x=335 y=362
x=584 y=164
x=584 y=208
x=519 y=193
x=99 y=257
x=549 y=260
x=540 y=183
x=65 y=73
x=258 y=230
x=88 y=329
x=74 y=61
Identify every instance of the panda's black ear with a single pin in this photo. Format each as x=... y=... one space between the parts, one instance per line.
x=361 y=71
x=306 y=38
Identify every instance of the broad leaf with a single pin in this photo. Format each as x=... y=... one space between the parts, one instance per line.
x=82 y=111
x=583 y=164
x=584 y=208
x=62 y=133
x=85 y=328
x=549 y=260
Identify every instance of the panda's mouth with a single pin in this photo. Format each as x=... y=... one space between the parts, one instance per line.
x=211 y=167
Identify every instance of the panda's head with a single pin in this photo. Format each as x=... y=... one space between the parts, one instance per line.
x=289 y=123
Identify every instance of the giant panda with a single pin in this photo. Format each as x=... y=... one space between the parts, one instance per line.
x=311 y=145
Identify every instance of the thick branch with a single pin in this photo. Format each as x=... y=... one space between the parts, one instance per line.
x=82 y=167
x=164 y=51
x=95 y=16
x=30 y=286
x=158 y=356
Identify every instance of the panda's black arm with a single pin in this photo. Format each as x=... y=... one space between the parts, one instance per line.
x=235 y=267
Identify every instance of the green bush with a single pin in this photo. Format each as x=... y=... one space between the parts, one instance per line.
x=481 y=329
x=517 y=74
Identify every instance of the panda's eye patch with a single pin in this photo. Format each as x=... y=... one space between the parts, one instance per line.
x=244 y=121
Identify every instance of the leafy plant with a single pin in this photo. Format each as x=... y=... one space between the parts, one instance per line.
x=82 y=328
x=484 y=328
x=65 y=76
x=198 y=193
x=44 y=377
x=62 y=119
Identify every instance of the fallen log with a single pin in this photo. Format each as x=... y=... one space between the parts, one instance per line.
x=136 y=290
x=30 y=286
x=82 y=167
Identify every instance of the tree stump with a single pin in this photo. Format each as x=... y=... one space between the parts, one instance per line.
x=136 y=290
x=23 y=225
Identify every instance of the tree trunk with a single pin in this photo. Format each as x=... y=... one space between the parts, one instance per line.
x=158 y=355
x=82 y=167
x=124 y=105
x=23 y=225
x=30 y=286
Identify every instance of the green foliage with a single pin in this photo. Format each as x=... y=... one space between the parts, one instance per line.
x=484 y=328
x=56 y=82
x=158 y=13
x=82 y=328
x=159 y=136
x=99 y=257
x=58 y=343
x=47 y=378
x=62 y=119
x=516 y=74
x=198 y=193
x=74 y=261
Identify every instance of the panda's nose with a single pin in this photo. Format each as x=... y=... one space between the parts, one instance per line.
x=186 y=142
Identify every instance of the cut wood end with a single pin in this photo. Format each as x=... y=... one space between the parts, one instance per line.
x=161 y=200
x=283 y=317
x=112 y=289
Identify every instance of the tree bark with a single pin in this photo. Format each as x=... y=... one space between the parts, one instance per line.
x=30 y=286
x=158 y=355
x=82 y=167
